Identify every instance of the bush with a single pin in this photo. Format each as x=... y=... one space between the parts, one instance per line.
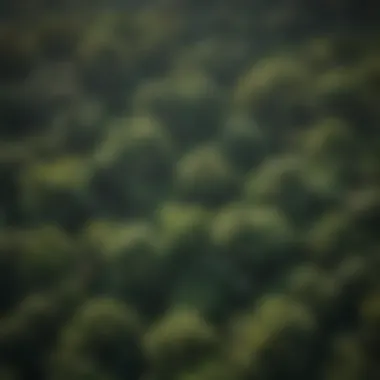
x=106 y=332
x=331 y=238
x=287 y=183
x=180 y=340
x=314 y=288
x=132 y=254
x=135 y=164
x=183 y=228
x=44 y=255
x=273 y=340
x=205 y=176
x=189 y=103
x=276 y=91
x=242 y=141
x=258 y=238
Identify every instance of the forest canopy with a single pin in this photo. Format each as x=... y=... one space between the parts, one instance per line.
x=189 y=191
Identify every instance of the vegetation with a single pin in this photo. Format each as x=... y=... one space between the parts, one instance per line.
x=189 y=190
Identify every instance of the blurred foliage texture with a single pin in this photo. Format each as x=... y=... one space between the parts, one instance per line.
x=189 y=190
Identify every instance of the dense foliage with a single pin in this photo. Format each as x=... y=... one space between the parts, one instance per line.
x=189 y=191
